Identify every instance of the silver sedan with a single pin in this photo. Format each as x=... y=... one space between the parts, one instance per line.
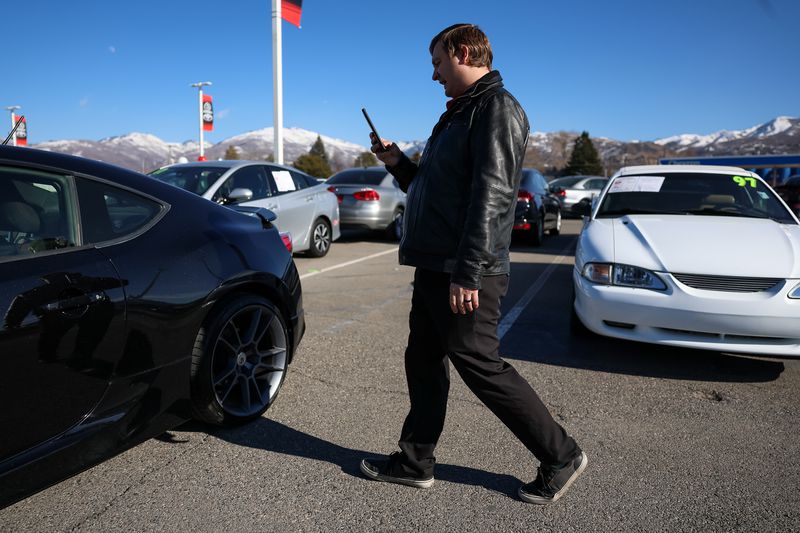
x=369 y=198
x=305 y=209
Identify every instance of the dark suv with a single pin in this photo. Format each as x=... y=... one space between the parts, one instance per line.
x=538 y=211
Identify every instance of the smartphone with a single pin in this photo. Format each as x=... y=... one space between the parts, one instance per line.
x=372 y=127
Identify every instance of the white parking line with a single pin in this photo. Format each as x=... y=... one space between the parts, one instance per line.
x=348 y=263
x=513 y=314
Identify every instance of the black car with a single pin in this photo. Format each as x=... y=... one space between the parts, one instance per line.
x=790 y=192
x=128 y=307
x=538 y=211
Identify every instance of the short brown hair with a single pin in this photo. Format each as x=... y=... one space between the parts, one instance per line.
x=469 y=35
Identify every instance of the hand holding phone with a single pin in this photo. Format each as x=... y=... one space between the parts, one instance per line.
x=374 y=131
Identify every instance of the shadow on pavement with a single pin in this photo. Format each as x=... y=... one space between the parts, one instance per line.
x=272 y=436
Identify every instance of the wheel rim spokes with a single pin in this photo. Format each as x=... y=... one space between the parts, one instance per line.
x=321 y=237
x=249 y=361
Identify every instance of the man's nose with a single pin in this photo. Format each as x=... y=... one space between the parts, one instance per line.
x=435 y=75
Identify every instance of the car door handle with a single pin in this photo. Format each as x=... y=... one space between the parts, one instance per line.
x=76 y=302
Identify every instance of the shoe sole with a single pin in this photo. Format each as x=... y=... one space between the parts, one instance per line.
x=409 y=482
x=538 y=500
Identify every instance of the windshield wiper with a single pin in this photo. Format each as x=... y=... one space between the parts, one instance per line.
x=13 y=131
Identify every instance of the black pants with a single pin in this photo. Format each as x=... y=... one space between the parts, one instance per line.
x=471 y=343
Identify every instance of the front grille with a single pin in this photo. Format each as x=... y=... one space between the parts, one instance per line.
x=727 y=283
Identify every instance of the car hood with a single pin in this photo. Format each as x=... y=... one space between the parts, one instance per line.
x=723 y=246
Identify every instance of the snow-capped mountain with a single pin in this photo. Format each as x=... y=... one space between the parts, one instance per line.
x=551 y=150
x=691 y=140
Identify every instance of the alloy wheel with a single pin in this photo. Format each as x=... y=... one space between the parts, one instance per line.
x=249 y=361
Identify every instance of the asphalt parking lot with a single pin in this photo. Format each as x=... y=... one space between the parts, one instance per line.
x=677 y=440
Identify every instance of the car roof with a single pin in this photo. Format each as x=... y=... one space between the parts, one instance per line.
x=229 y=163
x=700 y=169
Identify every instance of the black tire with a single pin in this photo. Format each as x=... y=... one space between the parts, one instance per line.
x=239 y=361
x=394 y=231
x=557 y=230
x=321 y=238
x=536 y=235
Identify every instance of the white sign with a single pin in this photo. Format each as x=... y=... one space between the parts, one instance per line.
x=637 y=184
x=283 y=180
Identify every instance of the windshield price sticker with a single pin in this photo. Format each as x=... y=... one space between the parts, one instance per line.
x=283 y=180
x=744 y=182
x=637 y=184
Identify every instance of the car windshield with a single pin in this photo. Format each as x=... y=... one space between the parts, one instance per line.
x=692 y=194
x=357 y=177
x=193 y=179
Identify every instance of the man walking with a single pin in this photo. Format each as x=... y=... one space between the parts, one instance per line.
x=458 y=221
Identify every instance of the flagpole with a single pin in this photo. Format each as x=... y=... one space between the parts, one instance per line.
x=277 y=82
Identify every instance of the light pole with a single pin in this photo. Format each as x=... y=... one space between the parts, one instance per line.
x=200 y=85
x=11 y=109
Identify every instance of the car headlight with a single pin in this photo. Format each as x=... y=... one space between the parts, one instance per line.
x=624 y=276
x=795 y=293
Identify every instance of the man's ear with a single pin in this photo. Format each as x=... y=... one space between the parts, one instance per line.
x=462 y=54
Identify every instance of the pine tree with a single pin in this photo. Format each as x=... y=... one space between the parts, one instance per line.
x=584 y=159
x=318 y=149
x=231 y=153
x=315 y=162
x=365 y=159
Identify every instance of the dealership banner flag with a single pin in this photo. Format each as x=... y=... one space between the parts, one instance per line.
x=22 y=133
x=290 y=11
x=208 y=113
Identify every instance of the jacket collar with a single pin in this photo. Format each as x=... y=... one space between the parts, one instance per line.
x=488 y=81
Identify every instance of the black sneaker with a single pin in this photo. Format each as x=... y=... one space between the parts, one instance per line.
x=391 y=470
x=552 y=483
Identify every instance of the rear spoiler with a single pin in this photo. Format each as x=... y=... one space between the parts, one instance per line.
x=266 y=216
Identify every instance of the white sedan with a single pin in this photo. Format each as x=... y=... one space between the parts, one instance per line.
x=307 y=212
x=694 y=256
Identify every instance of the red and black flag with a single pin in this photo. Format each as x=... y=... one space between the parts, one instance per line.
x=290 y=11
x=208 y=113
x=22 y=133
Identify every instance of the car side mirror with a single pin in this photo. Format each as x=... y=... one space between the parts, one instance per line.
x=240 y=194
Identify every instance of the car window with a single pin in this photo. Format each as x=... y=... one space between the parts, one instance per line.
x=281 y=181
x=36 y=212
x=299 y=180
x=193 y=178
x=357 y=177
x=108 y=213
x=566 y=183
x=252 y=177
x=595 y=184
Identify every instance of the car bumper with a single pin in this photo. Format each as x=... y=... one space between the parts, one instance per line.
x=365 y=214
x=766 y=323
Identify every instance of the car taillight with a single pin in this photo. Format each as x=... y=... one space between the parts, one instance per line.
x=562 y=192
x=287 y=241
x=367 y=195
x=524 y=195
x=338 y=196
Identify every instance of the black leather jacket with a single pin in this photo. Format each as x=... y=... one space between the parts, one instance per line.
x=461 y=197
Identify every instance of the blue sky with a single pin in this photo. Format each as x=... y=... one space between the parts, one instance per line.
x=622 y=69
